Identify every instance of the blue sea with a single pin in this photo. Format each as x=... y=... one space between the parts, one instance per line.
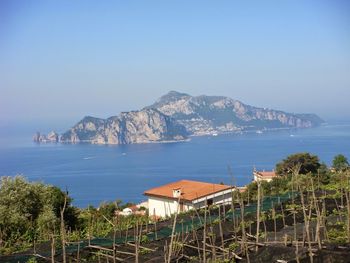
x=96 y=173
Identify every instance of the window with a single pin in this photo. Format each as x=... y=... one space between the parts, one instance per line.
x=209 y=202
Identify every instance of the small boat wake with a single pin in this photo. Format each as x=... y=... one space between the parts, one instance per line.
x=89 y=158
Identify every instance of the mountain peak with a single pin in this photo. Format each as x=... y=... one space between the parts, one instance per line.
x=170 y=97
x=173 y=95
x=218 y=114
x=176 y=94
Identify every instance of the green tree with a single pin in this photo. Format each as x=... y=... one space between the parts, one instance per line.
x=56 y=197
x=277 y=185
x=308 y=164
x=107 y=209
x=340 y=163
x=20 y=205
x=323 y=174
x=29 y=209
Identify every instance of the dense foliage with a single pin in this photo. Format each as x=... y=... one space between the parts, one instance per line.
x=308 y=164
x=340 y=163
x=302 y=165
x=30 y=210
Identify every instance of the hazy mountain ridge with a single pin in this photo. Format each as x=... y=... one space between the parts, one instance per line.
x=176 y=115
x=218 y=114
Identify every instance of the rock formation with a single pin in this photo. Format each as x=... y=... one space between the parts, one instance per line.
x=42 y=138
x=175 y=116
x=143 y=126
x=216 y=114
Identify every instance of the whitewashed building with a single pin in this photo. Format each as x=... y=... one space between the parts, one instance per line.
x=264 y=175
x=184 y=195
x=131 y=210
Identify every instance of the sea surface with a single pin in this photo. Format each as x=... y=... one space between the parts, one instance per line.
x=96 y=173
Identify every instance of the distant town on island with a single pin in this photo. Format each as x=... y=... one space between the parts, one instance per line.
x=176 y=116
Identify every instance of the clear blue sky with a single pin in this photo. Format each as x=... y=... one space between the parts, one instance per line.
x=61 y=60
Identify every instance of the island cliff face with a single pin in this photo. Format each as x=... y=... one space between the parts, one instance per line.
x=148 y=125
x=175 y=116
x=42 y=138
x=216 y=114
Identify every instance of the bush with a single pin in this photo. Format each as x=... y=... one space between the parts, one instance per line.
x=308 y=164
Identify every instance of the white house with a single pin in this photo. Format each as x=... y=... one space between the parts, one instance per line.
x=127 y=211
x=264 y=176
x=184 y=195
x=131 y=210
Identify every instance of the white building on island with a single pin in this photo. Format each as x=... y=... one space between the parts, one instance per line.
x=184 y=195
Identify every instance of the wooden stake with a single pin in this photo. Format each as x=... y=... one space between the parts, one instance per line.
x=204 y=231
x=173 y=230
x=258 y=214
x=63 y=230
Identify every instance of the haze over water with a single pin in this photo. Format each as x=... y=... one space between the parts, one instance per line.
x=63 y=60
x=96 y=173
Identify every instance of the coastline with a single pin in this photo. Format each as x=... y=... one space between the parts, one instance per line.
x=212 y=133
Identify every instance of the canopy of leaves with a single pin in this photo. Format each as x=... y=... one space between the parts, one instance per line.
x=340 y=163
x=26 y=206
x=308 y=164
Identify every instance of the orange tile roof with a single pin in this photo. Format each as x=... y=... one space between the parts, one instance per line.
x=190 y=190
x=269 y=174
x=133 y=208
x=241 y=189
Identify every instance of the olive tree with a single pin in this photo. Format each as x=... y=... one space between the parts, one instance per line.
x=29 y=209
x=340 y=163
x=308 y=164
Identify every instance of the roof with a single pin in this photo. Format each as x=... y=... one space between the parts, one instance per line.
x=264 y=174
x=190 y=190
x=241 y=189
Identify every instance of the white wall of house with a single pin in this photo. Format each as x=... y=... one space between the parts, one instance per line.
x=161 y=206
x=164 y=207
x=256 y=178
x=262 y=178
x=259 y=177
x=224 y=197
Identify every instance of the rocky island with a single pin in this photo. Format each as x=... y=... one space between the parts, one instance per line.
x=204 y=115
x=144 y=126
x=175 y=116
x=42 y=138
